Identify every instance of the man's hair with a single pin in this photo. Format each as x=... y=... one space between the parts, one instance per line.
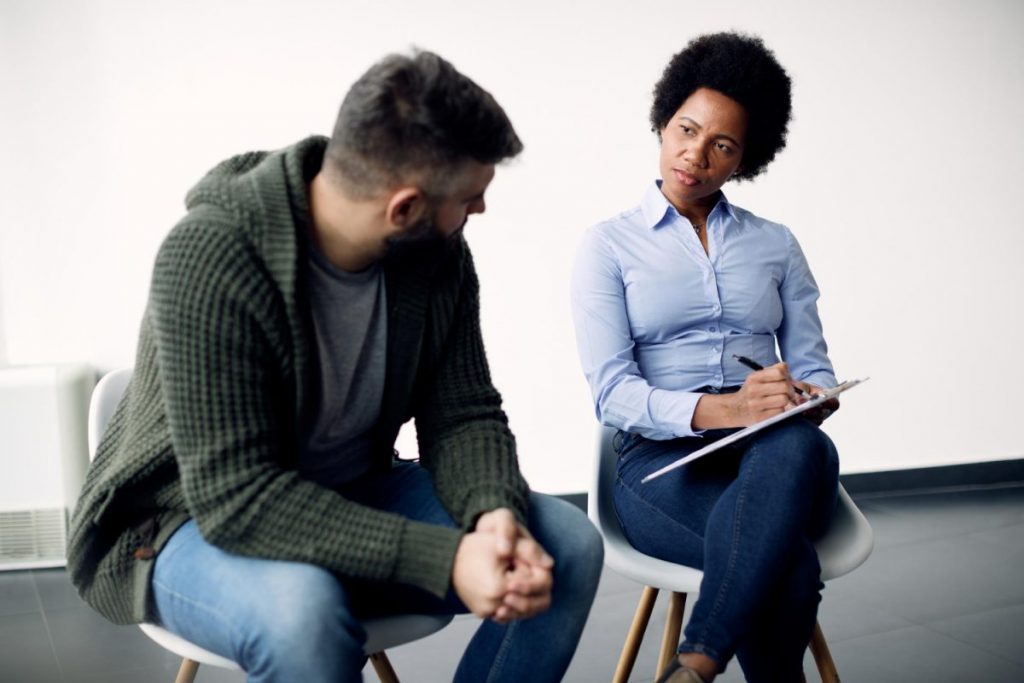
x=742 y=68
x=415 y=119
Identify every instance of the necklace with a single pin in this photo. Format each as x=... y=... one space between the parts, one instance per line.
x=697 y=227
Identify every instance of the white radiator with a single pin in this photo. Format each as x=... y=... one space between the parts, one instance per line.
x=43 y=458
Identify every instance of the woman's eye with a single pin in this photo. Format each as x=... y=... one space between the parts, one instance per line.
x=724 y=148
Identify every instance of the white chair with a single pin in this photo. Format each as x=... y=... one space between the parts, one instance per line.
x=381 y=634
x=845 y=547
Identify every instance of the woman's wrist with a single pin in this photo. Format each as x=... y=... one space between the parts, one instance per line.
x=716 y=411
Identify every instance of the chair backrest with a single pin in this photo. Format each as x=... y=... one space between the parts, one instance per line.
x=105 y=397
x=618 y=553
x=599 y=499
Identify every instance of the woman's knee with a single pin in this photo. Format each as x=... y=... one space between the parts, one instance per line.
x=803 y=448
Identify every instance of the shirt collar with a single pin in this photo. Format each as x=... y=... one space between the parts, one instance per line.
x=655 y=206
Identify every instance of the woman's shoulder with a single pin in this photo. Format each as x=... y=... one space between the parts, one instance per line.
x=765 y=228
x=624 y=221
x=615 y=230
x=748 y=218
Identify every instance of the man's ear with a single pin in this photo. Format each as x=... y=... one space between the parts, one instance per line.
x=406 y=206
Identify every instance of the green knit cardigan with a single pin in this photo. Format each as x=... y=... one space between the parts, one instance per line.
x=210 y=424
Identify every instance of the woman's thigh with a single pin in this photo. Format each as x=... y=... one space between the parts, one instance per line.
x=666 y=517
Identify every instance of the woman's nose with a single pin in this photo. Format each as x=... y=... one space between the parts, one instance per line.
x=696 y=155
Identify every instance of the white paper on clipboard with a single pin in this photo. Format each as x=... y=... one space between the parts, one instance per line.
x=754 y=428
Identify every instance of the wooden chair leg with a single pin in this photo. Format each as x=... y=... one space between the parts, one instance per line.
x=673 y=625
x=187 y=671
x=381 y=664
x=636 y=635
x=822 y=657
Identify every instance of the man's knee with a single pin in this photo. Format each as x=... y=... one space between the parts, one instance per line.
x=571 y=539
x=302 y=615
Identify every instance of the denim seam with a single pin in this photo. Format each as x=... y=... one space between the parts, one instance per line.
x=502 y=654
x=236 y=636
x=733 y=553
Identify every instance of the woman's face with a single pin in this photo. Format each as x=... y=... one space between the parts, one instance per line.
x=701 y=146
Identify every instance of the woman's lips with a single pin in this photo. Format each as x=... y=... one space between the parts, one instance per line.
x=685 y=178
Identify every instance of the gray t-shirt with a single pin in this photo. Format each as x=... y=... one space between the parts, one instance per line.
x=350 y=326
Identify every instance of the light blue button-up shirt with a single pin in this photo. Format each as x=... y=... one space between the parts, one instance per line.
x=658 y=318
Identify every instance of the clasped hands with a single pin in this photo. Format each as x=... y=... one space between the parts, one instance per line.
x=500 y=572
x=770 y=391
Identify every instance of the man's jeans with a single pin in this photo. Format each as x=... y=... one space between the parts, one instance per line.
x=284 y=621
x=747 y=516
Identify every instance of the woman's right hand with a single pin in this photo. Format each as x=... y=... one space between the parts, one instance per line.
x=764 y=393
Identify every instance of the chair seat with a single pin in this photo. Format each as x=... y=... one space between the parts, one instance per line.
x=389 y=632
x=849 y=540
x=381 y=634
x=183 y=648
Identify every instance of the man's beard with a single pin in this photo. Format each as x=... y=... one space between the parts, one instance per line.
x=422 y=237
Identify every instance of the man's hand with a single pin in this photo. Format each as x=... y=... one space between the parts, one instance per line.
x=479 y=574
x=528 y=567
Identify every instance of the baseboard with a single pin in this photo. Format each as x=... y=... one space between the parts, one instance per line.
x=994 y=473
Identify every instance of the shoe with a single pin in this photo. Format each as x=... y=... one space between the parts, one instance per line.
x=677 y=672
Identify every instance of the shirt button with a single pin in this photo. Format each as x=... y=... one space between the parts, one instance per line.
x=711 y=329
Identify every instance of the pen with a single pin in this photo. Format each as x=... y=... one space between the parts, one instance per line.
x=754 y=365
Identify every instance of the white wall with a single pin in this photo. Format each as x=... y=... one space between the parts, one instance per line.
x=900 y=179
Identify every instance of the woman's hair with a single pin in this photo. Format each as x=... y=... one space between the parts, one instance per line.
x=742 y=68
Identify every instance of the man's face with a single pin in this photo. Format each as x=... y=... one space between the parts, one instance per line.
x=451 y=212
x=448 y=215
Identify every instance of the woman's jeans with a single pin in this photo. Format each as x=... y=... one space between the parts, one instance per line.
x=746 y=515
x=285 y=621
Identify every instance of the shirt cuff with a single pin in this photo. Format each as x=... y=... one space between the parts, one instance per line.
x=672 y=411
x=824 y=380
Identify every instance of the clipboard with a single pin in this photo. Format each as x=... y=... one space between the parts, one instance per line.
x=754 y=428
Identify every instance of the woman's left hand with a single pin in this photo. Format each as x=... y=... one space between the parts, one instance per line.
x=820 y=413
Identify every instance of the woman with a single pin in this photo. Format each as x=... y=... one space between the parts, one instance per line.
x=665 y=297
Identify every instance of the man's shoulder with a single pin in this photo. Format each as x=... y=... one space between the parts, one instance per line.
x=203 y=238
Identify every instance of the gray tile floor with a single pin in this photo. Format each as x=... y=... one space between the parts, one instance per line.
x=941 y=599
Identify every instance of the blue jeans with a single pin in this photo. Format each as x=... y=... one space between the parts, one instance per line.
x=747 y=516
x=286 y=621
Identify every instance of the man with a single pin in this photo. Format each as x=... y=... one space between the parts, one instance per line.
x=246 y=494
